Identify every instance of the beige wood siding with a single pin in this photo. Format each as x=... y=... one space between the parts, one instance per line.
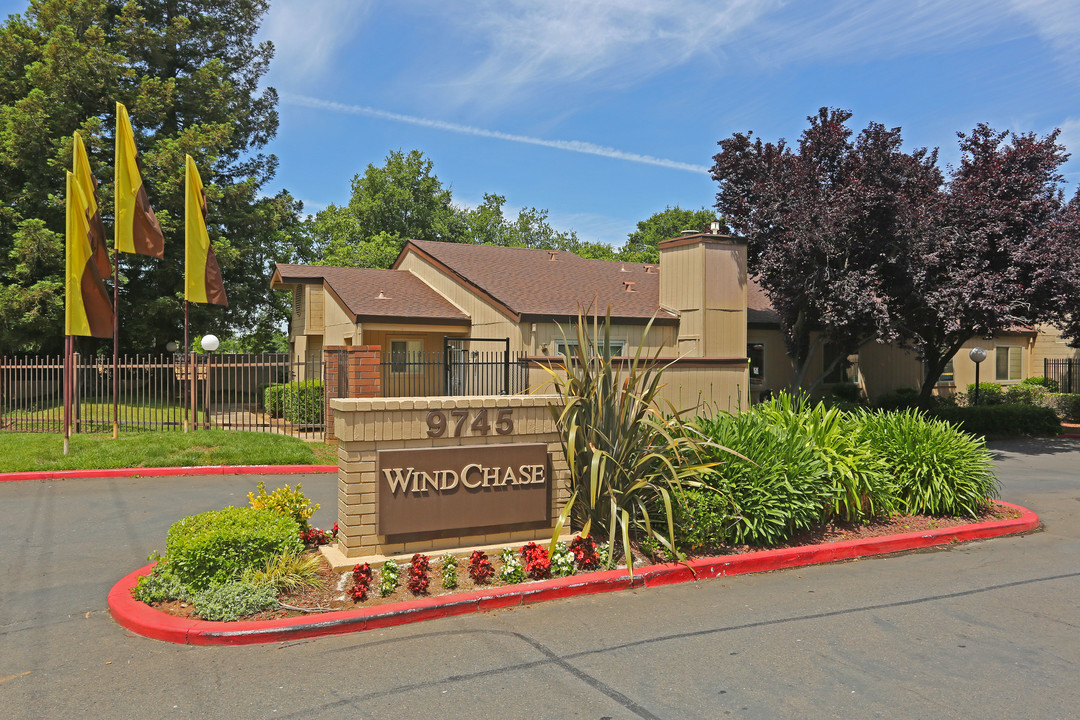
x=487 y=321
x=313 y=308
x=1049 y=344
x=338 y=325
x=705 y=283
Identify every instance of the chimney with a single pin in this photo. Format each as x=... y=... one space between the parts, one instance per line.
x=703 y=281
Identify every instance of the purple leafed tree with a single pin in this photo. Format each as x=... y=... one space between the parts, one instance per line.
x=825 y=223
x=989 y=256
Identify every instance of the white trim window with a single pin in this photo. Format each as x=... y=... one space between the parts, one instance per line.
x=1008 y=363
x=405 y=356
x=617 y=347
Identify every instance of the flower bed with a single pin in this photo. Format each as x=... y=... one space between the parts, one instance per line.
x=337 y=592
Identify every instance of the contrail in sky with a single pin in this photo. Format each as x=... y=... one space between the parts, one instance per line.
x=577 y=146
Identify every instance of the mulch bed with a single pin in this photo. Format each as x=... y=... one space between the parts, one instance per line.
x=329 y=597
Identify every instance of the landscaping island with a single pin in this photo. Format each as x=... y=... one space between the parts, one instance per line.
x=397 y=608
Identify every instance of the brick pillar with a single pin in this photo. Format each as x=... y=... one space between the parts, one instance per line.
x=351 y=372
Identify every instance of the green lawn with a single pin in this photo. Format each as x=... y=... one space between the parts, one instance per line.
x=45 y=451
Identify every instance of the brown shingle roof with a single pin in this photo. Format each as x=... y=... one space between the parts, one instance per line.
x=758 y=308
x=376 y=295
x=532 y=283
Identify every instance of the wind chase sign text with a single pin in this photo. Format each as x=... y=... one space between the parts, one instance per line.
x=432 y=491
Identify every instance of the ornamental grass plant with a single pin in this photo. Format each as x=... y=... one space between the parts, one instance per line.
x=628 y=460
x=940 y=470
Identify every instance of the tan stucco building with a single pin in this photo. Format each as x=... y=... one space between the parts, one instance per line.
x=717 y=326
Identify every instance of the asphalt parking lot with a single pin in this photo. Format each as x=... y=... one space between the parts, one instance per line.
x=988 y=629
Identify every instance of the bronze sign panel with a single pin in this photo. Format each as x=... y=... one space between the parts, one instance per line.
x=443 y=489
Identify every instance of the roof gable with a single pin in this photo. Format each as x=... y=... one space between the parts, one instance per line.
x=534 y=284
x=374 y=295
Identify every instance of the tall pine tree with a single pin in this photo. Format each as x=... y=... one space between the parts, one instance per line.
x=188 y=72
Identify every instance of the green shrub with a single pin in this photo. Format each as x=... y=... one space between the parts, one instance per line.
x=234 y=600
x=1066 y=405
x=940 y=470
x=286 y=501
x=274 y=400
x=215 y=547
x=898 y=400
x=1050 y=384
x=1025 y=394
x=705 y=518
x=160 y=586
x=781 y=486
x=302 y=402
x=989 y=393
x=847 y=392
x=997 y=420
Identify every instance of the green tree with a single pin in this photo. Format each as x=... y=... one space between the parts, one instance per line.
x=404 y=199
x=641 y=245
x=189 y=73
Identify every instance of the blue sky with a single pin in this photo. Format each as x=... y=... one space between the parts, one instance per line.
x=604 y=112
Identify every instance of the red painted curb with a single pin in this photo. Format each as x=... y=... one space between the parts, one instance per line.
x=145 y=620
x=167 y=471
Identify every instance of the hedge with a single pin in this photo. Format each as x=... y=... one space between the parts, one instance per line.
x=215 y=547
x=1001 y=419
x=301 y=403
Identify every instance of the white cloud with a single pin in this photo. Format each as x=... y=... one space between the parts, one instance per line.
x=1058 y=22
x=522 y=46
x=881 y=29
x=528 y=43
x=307 y=34
x=577 y=146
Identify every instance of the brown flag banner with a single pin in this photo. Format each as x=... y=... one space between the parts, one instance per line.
x=87 y=310
x=87 y=185
x=137 y=228
x=202 y=276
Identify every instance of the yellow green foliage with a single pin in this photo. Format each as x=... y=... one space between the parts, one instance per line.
x=285 y=500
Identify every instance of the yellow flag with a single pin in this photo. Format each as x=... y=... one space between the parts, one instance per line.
x=87 y=310
x=87 y=185
x=202 y=277
x=137 y=228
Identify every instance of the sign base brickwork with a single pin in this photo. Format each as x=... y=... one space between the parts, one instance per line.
x=444 y=474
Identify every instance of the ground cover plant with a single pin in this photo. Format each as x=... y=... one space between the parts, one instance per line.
x=23 y=452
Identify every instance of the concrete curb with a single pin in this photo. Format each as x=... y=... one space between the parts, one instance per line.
x=145 y=620
x=168 y=471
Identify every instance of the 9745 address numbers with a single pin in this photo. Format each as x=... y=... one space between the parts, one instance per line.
x=437 y=423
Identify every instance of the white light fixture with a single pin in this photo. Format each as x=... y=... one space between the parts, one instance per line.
x=171 y=346
x=209 y=343
x=977 y=355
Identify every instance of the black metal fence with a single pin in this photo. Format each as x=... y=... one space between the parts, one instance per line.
x=1064 y=371
x=257 y=392
x=457 y=371
x=164 y=393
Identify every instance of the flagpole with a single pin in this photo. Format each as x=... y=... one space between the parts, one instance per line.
x=187 y=371
x=67 y=393
x=116 y=347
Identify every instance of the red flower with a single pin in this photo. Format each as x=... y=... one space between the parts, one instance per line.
x=361 y=582
x=480 y=568
x=585 y=555
x=418 y=574
x=536 y=561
